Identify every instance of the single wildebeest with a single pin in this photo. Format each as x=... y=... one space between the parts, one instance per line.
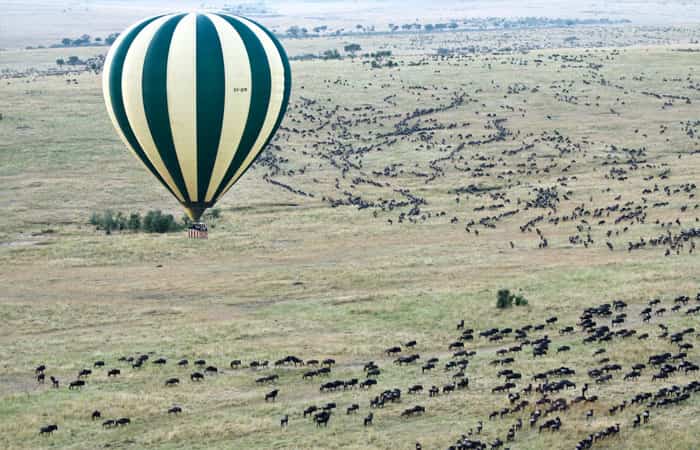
x=322 y=418
x=76 y=384
x=272 y=395
x=196 y=376
x=48 y=429
x=368 y=382
x=413 y=411
x=415 y=389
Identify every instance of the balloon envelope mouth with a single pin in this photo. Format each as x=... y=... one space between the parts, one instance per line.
x=195 y=210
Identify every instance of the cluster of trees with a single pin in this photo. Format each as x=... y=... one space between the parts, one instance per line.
x=534 y=22
x=440 y=26
x=488 y=23
x=380 y=54
x=352 y=49
x=95 y=63
x=86 y=40
x=153 y=221
x=296 y=31
x=71 y=61
x=389 y=63
x=505 y=299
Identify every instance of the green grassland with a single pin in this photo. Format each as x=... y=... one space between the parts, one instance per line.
x=288 y=274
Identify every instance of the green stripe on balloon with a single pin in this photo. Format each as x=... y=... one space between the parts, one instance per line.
x=117 y=100
x=259 y=98
x=287 y=88
x=211 y=96
x=155 y=99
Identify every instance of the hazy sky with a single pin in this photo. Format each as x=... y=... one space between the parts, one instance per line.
x=33 y=22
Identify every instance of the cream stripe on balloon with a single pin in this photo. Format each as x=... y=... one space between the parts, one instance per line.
x=237 y=99
x=182 y=99
x=276 y=98
x=132 y=80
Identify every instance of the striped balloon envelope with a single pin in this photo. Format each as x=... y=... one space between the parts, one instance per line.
x=196 y=97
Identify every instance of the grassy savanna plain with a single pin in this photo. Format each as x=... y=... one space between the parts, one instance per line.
x=287 y=274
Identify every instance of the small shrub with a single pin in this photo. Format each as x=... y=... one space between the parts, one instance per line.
x=107 y=223
x=520 y=300
x=504 y=299
x=119 y=222
x=134 y=222
x=213 y=213
x=186 y=221
x=157 y=222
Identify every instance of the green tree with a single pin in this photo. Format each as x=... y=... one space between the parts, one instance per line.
x=331 y=54
x=109 y=40
x=294 y=31
x=352 y=48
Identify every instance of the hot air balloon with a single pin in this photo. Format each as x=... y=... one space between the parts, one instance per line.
x=196 y=97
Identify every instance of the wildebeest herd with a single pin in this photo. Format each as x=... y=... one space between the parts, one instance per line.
x=484 y=143
x=472 y=154
x=541 y=401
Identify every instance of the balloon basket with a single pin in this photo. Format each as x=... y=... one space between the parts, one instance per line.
x=198 y=230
